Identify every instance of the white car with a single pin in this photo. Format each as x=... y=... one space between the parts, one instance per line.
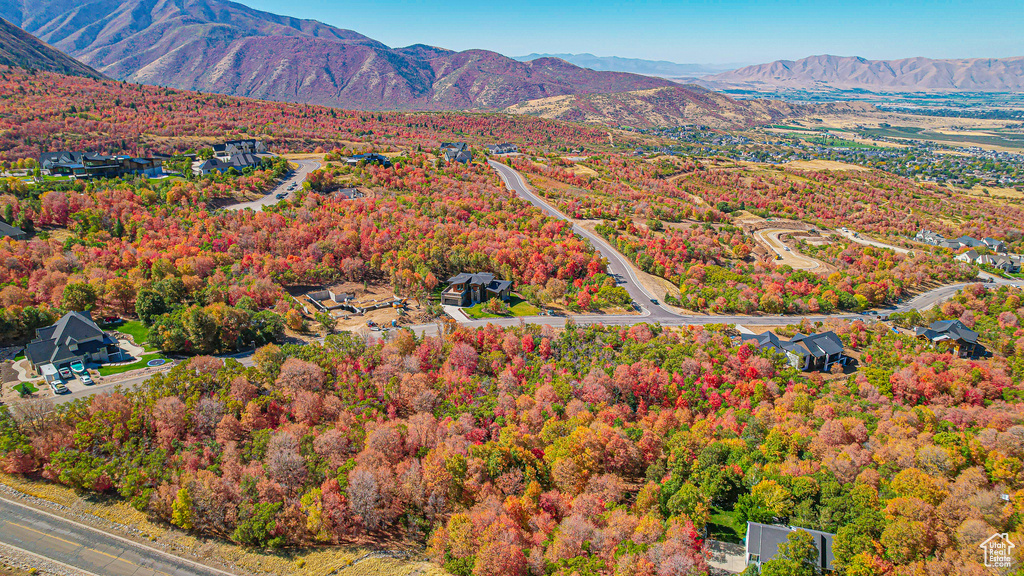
x=85 y=378
x=58 y=387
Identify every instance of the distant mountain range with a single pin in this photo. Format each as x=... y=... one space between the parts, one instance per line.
x=853 y=73
x=225 y=47
x=21 y=49
x=662 y=68
x=673 y=106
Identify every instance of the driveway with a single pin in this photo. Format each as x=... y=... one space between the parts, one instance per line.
x=296 y=178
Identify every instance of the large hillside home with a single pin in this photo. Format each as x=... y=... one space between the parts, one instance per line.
x=763 y=540
x=951 y=336
x=12 y=232
x=221 y=164
x=84 y=165
x=232 y=147
x=456 y=152
x=467 y=289
x=804 y=352
x=504 y=148
x=74 y=337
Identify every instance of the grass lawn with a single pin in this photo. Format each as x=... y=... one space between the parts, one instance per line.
x=138 y=331
x=30 y=386
x=726 y=526
x=517 y=307
x=111 y=370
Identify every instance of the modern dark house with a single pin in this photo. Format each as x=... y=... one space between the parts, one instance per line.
x=456 y=152
x=85 y=165
x=952 y=336
x=504 y=148
x=12 y=232
x=369 y=158
x=74 y=337
x=762 y=543
x=804 y=352
x=222 y=164
x=466 y=289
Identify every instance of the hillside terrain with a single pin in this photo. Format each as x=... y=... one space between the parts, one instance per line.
x=669 y=107
x=21 y=49
x=228 y=48
x=905 y=75
x=633 y=65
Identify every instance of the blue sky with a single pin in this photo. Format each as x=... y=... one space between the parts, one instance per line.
x=688 y=32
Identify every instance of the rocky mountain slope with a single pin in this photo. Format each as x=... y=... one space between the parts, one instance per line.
x=906 y=75
x=21 y=49
x=221 y=46
x=668 y=107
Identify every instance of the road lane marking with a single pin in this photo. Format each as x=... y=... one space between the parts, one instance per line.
x=48 y=560
x=130 y=543
x=84 y=547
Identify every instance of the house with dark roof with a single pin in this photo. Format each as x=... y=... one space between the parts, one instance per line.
x=951 y=336
x=804 y=352
x=220 y=164
x=12 y=232
x=74 y=337
x=504 y=148
x=466 y=289
x=232 y=147
x=993 y=244
x=369 y=158
x=763 y=540
x=85 y=165
x=456 y=152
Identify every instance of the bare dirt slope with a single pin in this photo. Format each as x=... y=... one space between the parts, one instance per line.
x=672 y=106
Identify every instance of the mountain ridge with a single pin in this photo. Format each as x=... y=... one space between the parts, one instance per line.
x=20 y=49
x=672 y=106
x=919 y=74
x=663 y=68
x=225 y=47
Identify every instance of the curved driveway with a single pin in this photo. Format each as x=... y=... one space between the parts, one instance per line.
x=296 y=177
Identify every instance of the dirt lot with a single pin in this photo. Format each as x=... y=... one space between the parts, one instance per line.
x=412 y=312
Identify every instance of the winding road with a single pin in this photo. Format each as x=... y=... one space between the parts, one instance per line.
x=295 y=177
x=93 y=552
x=623 y=270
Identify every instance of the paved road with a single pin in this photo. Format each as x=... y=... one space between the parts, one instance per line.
x=88 y=549
x=296 y=177
x=856 y=237
x=794 y=259
x=618 y=266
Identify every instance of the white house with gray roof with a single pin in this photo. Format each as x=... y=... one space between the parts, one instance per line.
x=74 y=337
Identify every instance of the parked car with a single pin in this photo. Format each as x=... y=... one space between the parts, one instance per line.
x=77 y=367
x=281 y=196
x=86 y=379
x=65 y=373
x=58 y=387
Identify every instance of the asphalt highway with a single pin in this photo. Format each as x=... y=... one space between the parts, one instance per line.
x=88 y=549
